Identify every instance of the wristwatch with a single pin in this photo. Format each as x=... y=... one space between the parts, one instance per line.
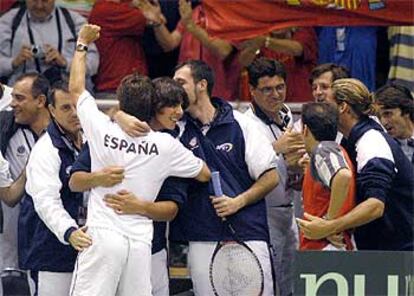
x=81 y=47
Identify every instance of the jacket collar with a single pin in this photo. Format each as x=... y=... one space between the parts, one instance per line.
x=361 y=128
x=224 y=114
x=59 y=139
x=356 y=133
x=284 y=113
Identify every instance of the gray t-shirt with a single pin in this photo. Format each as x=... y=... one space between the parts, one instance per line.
x=326 y=160
x=407 y=146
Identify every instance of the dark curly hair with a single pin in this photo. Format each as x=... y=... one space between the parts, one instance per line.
x=136 y=94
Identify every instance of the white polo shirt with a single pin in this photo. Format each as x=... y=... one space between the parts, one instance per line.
x=278 y=196
x=147 y=161
x=18 y=150
x=5 y=177
x=6 y=99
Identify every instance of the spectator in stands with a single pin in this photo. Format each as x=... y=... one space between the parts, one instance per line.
x=383 y=217
x=19 y=131
x=5 y=5
x=268 y=89
x=401 y=40
x=123 y=24
x=196 y=44
x=296 y=48
x=352 y=47
x=161 y=63
x=329 y=181
x=396 y=113
x=41 y=37
x=321 y=79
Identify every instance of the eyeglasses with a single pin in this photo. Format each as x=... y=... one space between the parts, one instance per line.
x=268 y=90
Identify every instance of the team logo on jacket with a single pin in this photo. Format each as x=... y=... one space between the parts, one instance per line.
x=21 y=150
x=226 y=147
x=193 y=143
x=68 y=169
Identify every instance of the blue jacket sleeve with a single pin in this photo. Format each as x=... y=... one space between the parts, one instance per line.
x=83 y=162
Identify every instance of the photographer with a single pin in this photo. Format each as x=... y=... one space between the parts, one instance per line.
x=40 y=37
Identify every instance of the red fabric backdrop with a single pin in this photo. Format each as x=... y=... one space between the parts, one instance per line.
x=5 y=5
x=241 y=19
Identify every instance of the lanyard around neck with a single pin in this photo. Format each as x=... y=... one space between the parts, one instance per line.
x=32 y=41
x=269 y=123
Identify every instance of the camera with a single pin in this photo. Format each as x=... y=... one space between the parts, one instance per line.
x=38 y=52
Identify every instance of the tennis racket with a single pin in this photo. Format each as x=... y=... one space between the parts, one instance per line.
x=234 y=267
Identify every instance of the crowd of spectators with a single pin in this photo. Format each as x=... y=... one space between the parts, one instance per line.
x=153 y=36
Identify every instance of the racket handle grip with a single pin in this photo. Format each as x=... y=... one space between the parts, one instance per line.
x=215 y=177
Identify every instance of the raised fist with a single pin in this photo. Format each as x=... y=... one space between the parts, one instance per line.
x=88 y=34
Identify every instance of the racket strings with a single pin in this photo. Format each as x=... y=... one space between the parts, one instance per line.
x=235 y=270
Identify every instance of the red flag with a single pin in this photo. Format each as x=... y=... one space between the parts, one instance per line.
x=241 y=19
